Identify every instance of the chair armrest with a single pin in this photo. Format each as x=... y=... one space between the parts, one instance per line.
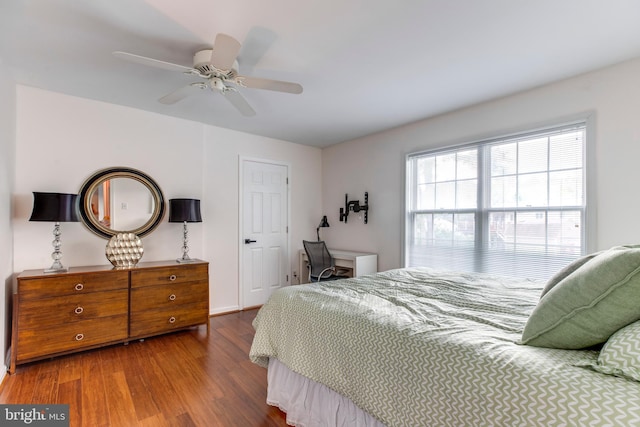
x=323 y=271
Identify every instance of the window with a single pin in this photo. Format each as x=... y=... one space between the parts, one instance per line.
x=511 y=206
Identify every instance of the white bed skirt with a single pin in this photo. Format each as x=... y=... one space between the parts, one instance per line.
x=310 y=404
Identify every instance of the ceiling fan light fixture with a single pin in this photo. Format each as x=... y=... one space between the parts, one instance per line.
x=217 y=83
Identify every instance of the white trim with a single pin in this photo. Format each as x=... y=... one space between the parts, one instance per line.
x=404 y=222
x=591 y=233
x=241 y=161
x=533 y=128
x=224 y=310
x=498 y=139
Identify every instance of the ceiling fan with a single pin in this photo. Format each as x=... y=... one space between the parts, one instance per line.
x=219 y=67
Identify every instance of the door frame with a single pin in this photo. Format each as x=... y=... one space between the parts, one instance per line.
x=241 y=161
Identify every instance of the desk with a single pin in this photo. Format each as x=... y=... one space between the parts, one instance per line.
x=360 y=263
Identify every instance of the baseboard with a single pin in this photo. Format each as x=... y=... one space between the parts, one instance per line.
x=3 y=376
x=224 y=310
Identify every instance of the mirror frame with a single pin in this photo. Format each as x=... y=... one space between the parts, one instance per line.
x=95 y=180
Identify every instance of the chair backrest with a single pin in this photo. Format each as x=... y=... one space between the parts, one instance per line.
x=318 y=256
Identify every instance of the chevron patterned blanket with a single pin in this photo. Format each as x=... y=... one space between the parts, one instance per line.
x=419 y=347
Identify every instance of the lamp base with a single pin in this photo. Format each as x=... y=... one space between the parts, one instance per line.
x=57 y=266
x=56 y=270
x=185 y=247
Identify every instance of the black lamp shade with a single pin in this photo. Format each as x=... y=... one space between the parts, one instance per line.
x=323 y=222
x=54 y=207
x=181 y=210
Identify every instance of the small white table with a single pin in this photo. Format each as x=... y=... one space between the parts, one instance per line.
x=358 y=263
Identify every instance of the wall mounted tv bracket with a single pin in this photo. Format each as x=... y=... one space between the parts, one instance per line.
x=355 y=206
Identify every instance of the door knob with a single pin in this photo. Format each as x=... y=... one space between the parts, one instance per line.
x=247 y=241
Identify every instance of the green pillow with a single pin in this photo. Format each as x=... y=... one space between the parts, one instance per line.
x=620 y=356
x=560 y=275
x=590 y=304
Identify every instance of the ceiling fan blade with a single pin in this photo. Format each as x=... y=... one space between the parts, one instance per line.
x=254 y=47
x=239 y=102
x=181 y=93
x=151 y=62
x=225 y=51
x=267 y=84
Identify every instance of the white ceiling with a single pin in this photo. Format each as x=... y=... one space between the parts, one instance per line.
x=366 y=65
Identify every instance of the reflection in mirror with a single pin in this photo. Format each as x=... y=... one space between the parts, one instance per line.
x=101 y=203
x=121 y=200
x=122 y=204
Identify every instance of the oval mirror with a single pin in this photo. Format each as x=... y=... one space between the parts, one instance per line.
x=120 y=200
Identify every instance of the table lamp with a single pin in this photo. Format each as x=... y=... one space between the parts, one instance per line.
x=54 y=207
x=184 y=210
x=323 y=223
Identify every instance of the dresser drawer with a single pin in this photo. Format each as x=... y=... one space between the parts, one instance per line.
x=168 y=296
x=180 y=273
x=168 y=319
x=71 y=284
x=45 y=341
x=72 y=308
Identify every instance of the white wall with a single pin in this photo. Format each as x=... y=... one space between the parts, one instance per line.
x=7 y=155
x=376 y=163
x=61 y=140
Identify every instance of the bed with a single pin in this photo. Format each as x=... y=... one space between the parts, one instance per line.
x=419 y=347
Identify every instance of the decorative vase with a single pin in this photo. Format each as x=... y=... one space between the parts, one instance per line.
x=124 y=250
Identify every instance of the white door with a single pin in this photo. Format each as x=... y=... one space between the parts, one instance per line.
x=265 y=251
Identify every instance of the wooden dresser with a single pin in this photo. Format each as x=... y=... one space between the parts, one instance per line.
x=90 y=307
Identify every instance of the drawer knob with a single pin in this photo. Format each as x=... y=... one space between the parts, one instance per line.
x=79 y=337
x=172 y=319
x=78 y=310
x=172 y=277
x=79 y=287
x=172 y=297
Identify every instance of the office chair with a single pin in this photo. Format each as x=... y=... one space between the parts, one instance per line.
x=321 y=263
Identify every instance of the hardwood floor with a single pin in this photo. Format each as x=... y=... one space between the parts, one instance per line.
x=186 y=378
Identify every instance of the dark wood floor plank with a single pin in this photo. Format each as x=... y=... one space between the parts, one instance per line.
x=157 y=420
x=95 y=410
x=122 y=411
x=191 y=390
x=184 y=420
x=22 y=392
x=156 y=379
x=112 y=358
x=47 y=390
x=70 y=392
x=70 y=368
x=142 y=397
